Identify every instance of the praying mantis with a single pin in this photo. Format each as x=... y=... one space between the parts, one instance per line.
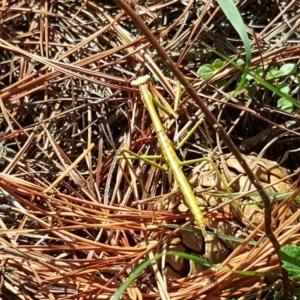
x=171 y=159
x=168 y=152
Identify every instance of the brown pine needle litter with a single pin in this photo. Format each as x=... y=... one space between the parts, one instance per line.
x=79 y=214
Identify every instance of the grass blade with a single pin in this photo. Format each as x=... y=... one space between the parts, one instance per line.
x=234 y=17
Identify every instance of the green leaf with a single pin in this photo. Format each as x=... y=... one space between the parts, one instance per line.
x=285 y=88
x=290 y=257
x=288 y=69
x=218 y=64
x=257 y=72
x=272 y=74
x=285 y=70
x=206 y=71
x=285 y=105
x=261 y=81
x=240 y=61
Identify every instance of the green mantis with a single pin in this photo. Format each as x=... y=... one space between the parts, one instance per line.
x=167 y=149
